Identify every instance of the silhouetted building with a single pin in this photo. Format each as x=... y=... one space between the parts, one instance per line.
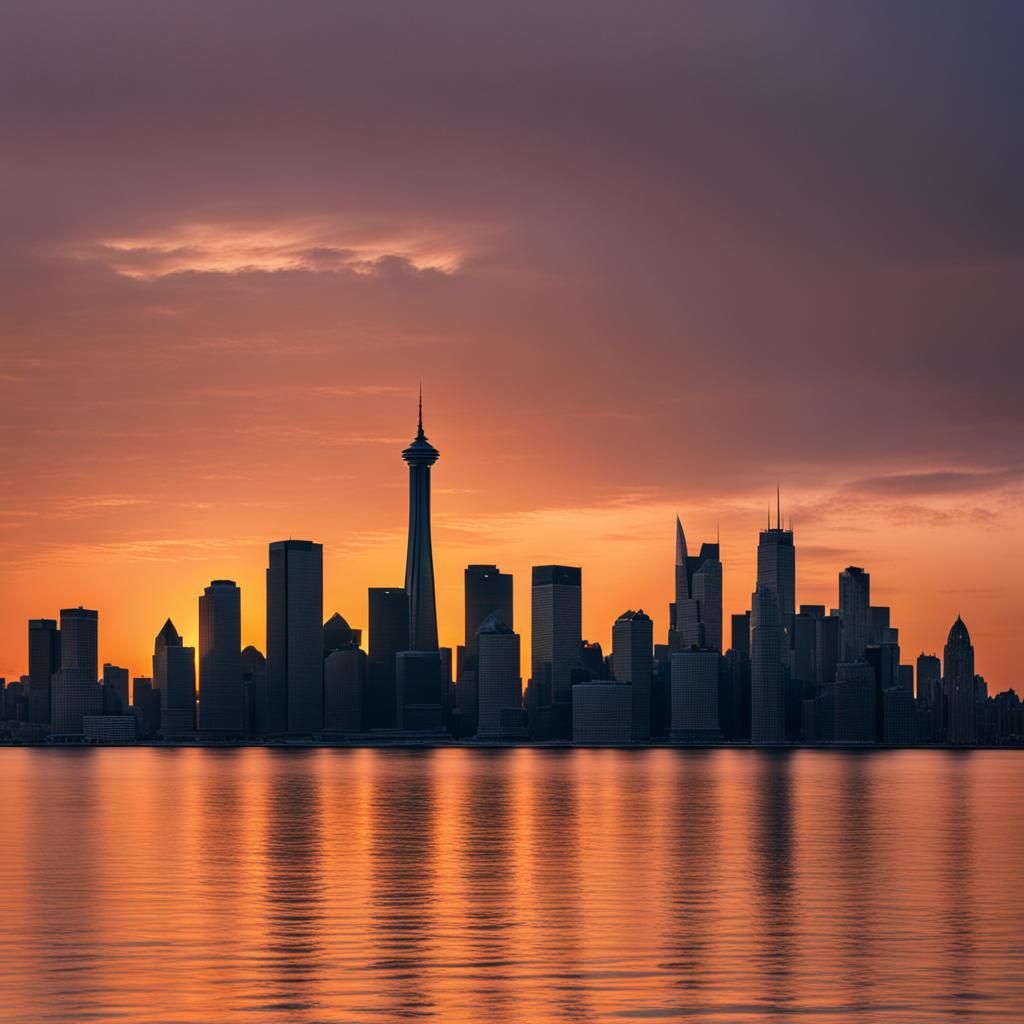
x=929 y=679
x=698 y=596
x=109 y=728
x=855 y=611
x=221 y=693
x=174 y=675
x=884 y=660
x=828 y=644
x=489 y=594
x=389 y=633
x=633 y=663
x=767 y=678
x=855 y=703
x=74 y=689
x=344 y=683
x=339 y=635
x=900 y=725
x=776 y=567
x=419 y=691
x=146 y=705
x=254 y=687
x=556 y=641
x=115 y=690
x=957 y=683
x=499 y=681
x=880 y=625
x=43 y=662
x=419 y=564
x=591 y=662
x=295 y=685
x=602 y=713
x=695 y=697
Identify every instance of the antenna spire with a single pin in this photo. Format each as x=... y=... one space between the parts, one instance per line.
x=778 y=507
x=419 y=431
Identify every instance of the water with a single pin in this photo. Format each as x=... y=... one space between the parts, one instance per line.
x=523 y=886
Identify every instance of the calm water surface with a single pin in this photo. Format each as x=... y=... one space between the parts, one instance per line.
x=333 y=886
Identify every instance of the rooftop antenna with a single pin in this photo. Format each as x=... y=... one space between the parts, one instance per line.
x=420 y=427
x=778 y=507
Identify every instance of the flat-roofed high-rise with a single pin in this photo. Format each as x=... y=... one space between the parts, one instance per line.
x=43 y=662
x=557 y=630
x=488 y=593
x=633 y=663
x=767 y=679
x=855 y=612
x=500 y=685
x=75 y=690
x=295 y=606
x=221 y=694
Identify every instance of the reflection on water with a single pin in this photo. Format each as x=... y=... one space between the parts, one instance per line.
x=511 y=886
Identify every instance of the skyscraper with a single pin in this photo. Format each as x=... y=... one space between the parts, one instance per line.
x=221 y=696
x=633 y=663
x=500 y=685
x=767 y=674
x=388 y=618
x=855 y=701
x=419 y=562
x=695 y=696
x=115 y=690
x=295 y=638
x=776 y=566
x=488 y=594
x=855 y=611
x=557 y=627
x=929 y=679
x=828 y=637
x=344 y=678
x=958 y=684
x=254 y=686
x=75 y=690
x=43 y=662
x=174 y=676
x=698 y=603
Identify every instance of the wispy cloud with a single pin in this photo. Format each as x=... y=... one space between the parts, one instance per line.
x=939 y=482
x=313 y=245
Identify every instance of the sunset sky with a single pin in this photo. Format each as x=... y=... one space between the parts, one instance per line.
x=644 y=258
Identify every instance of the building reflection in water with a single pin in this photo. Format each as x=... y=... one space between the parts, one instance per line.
x=404 y=880
x=771 y=859
x=957 y=879
x=487 y=860
x=556 y=899
x=693 y=867
x=853 y=866
x=293 y=886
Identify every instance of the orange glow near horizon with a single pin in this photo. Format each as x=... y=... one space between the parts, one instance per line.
x=121 y=558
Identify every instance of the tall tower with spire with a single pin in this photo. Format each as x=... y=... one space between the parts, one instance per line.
x=419 y=563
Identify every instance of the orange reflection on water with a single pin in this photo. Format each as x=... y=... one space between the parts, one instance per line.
x=520 y=885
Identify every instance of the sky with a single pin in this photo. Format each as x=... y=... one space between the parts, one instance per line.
x=645 y=258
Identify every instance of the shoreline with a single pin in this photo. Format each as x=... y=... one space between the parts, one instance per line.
x=434 y=743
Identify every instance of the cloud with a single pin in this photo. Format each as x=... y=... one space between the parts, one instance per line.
x=939 y=482
x=222 y=247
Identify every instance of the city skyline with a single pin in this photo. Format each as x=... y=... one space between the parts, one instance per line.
x=421 y=455
x=793 y=672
